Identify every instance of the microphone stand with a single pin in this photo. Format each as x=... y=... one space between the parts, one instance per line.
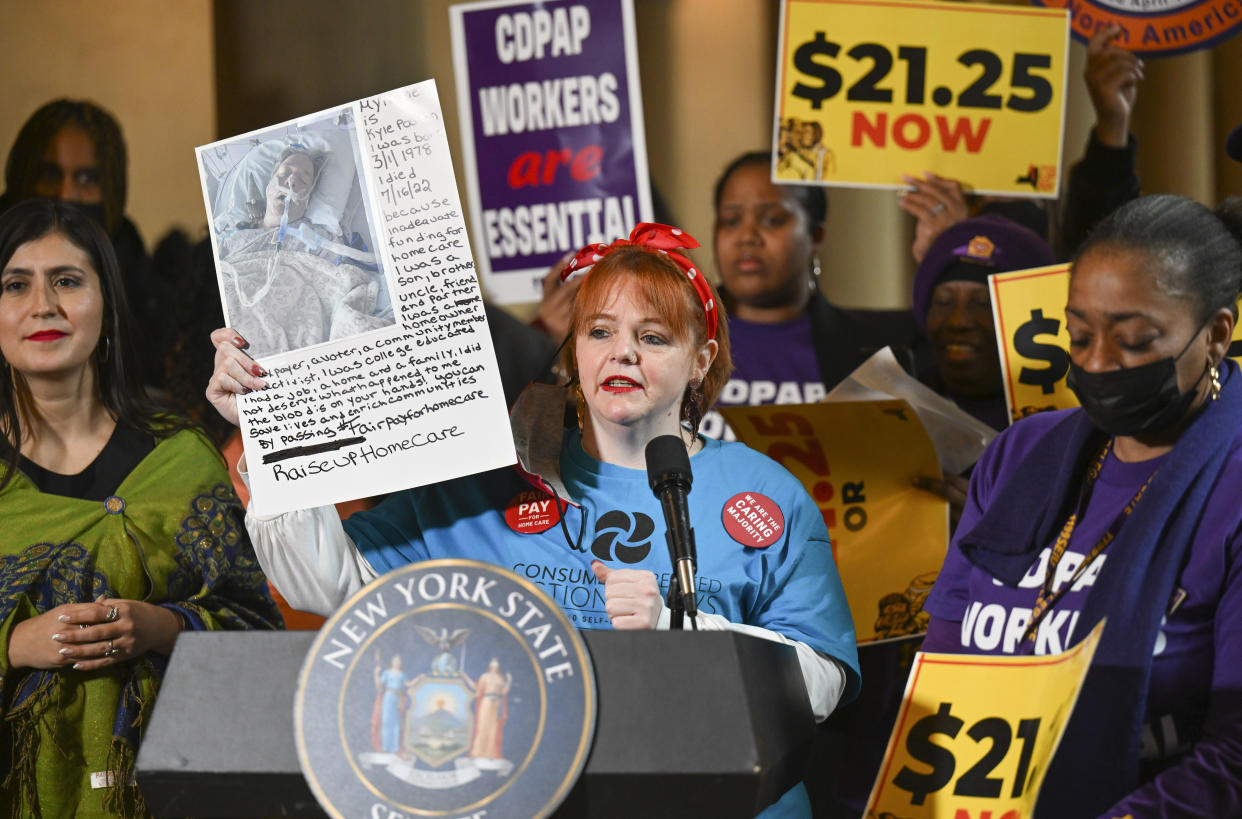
x=675 y=600
x=676 y=608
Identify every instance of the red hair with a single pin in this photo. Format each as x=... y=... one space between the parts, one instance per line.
x=667 y=293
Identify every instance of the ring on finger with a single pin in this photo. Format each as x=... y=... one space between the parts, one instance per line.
x=938 y=208
x=113 y=614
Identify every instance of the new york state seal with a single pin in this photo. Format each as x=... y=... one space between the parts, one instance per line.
x=448 y=688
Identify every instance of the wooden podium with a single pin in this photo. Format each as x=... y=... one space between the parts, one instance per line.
x=690 y=724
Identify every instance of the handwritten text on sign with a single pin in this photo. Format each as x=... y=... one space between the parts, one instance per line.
x=867 y=91
x=415 y=402
x=856 y=459
x=552 y=129
x=1028 y=309
x=975 y=734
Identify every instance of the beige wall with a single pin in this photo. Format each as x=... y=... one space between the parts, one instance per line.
x=1188 y=103
x=276 y=60
x=707 y=70
x=149 y=62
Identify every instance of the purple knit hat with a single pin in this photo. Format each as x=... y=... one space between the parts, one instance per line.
x=973 y=249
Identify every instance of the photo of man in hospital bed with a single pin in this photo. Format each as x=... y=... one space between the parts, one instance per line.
x=295 y=248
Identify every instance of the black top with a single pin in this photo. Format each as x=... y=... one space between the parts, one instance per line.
x=1102 y=181
x=523 y=353
x=123 y=452
x=844 y=338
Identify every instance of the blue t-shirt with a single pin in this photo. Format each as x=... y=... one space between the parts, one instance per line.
x=763 y=553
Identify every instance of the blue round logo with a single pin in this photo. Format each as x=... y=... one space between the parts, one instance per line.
x=449 y=688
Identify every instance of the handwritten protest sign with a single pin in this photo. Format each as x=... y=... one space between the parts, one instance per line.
x=867 y=91
x=343 y=260
x=1028 y=310
x=856 y=459
x=975 y=734
x=552 y=130
x=1154 y=29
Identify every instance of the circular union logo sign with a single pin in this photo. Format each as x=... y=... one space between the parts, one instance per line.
x=448 y=688
x=1154 y=28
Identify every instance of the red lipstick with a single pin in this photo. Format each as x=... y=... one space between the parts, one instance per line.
x=46 y=335
x=619 y=383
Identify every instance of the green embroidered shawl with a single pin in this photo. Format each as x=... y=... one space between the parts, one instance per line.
x=172 y=535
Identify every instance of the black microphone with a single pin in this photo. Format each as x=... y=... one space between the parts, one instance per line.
x=668 y=472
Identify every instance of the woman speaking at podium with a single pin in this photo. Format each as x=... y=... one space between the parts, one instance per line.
x=648 y=354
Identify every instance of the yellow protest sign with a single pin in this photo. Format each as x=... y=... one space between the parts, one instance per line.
x=975 y=734
x=1028 y=311
x=867 y=91
x=856 y=459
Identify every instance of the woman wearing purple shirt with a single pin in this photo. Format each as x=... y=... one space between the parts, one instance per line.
x=1126 y=510
x=794 y=345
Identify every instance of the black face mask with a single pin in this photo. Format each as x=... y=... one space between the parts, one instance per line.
x=1134 y=400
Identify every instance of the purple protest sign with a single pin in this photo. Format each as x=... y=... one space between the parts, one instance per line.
x=552 y=131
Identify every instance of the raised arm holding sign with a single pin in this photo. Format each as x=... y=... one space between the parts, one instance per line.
x=344 y=263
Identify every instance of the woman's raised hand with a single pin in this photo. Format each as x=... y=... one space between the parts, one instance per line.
x=557 y=304
x=631 y=597
x=235 y=374
x=1113 y=75
x=936 y=202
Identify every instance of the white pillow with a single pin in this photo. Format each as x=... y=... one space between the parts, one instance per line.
x=242 y=193
x=336 y=179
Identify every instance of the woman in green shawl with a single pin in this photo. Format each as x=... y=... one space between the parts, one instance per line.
x=120 y=530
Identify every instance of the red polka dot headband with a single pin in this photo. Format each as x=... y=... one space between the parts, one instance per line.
x=661 y=238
